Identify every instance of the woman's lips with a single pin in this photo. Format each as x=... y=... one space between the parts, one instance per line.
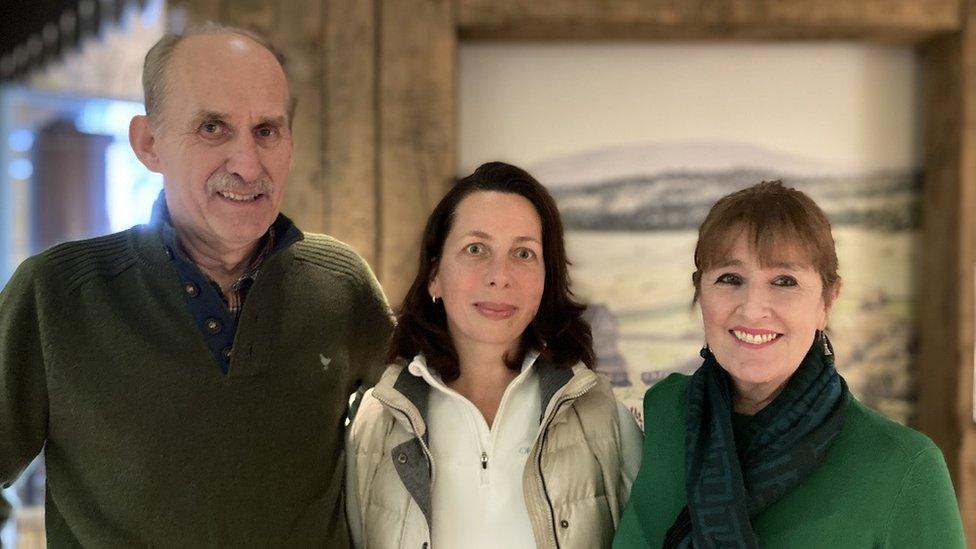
x=495 y=311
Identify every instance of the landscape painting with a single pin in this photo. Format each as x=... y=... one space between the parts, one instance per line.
x=632 y=213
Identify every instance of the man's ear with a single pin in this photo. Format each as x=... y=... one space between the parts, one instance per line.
x=142 y=138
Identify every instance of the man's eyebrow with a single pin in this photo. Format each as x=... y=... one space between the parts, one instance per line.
x=203 y=115
x=280 y=120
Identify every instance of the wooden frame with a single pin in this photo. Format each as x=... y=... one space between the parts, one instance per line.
x=376 y=81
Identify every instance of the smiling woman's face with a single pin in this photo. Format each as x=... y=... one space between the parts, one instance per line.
x=760 y=321
x=491 y=272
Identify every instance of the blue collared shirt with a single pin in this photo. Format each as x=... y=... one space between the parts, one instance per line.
x=215 y=315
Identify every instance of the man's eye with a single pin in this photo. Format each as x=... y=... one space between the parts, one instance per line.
x=267 y=132
x=211 y=128
x=785 y=280
x=729 y=278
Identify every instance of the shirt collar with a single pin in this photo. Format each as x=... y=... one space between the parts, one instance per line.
x=418 y=367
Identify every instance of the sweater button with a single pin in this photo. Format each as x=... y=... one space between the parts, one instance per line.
x=401 y=458
x=191 y=289
x=212 y=325
x=564 y=523
x=226 y=354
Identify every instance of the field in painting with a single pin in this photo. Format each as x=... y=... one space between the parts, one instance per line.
x=644 y=279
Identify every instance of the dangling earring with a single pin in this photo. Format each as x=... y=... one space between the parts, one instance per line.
x=704 y=351
x=433 y=299
x=828 y=349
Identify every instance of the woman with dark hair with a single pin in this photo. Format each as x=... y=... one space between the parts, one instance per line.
x=764 y=445
x=490 y=429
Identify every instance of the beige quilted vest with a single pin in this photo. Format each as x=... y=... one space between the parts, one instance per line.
x=570 y=483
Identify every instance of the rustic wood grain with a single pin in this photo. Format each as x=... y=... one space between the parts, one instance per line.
x=884 y=20
x=417 y=97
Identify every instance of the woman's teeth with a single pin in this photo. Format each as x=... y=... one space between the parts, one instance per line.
x=755 y=339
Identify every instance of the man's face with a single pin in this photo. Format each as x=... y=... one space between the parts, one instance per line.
x=222 y=140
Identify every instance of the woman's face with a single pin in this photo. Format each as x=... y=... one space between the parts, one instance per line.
x=491 y=272
x=760 y=321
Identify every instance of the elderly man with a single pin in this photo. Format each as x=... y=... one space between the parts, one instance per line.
x=189 y=380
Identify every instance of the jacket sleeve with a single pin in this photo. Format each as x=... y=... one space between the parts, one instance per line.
x=925 y=512
x=631 y=448
x=23 y=388
x=374 y=325
x=360 y=427
x=354 y=516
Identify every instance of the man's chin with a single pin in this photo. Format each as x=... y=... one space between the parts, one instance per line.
x=241 y=235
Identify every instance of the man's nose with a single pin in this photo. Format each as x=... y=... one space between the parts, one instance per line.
x=244 y=160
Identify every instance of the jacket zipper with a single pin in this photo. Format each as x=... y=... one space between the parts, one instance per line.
x=423 y=445
x=542 y=445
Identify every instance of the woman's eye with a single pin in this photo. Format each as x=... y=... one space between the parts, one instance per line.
x=784 y=280
x=525 y=254
x=474 y=249
x=729 y=278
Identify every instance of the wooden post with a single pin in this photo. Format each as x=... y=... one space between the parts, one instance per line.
x=418 y=64
x=945 y=323
x=349 y=123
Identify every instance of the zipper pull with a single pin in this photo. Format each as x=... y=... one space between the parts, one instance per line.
x=484 y=460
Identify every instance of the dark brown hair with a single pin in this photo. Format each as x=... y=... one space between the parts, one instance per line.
x=773 y=216
x=558 y=330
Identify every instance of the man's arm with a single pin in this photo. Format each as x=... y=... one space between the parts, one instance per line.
x=23 y=388
x=374 y=325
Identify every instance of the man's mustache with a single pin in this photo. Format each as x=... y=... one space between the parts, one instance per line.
x=228 y=182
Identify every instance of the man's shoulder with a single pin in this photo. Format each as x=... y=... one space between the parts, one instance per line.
x=329 y=253
x=70 y=264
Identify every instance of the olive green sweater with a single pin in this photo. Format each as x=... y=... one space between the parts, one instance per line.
x=880 y=485
x=146 y=441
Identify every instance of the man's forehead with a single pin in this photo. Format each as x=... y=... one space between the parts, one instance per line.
x=223 y=73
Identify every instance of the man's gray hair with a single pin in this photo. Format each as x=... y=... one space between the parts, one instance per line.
x=158 y=57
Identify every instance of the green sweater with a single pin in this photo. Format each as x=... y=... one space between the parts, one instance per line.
x=146 y=441
x=881 y=485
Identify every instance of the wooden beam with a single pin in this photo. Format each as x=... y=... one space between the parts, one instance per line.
x=946 y=308
x=417 y=128
x=349 y=123
x=966 y=461
x=908 y=21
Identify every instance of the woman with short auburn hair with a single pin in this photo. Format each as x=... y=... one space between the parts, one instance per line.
x=489 y=428
x=764 y=446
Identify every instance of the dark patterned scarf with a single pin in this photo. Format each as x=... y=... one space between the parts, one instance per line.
x=729 y=480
